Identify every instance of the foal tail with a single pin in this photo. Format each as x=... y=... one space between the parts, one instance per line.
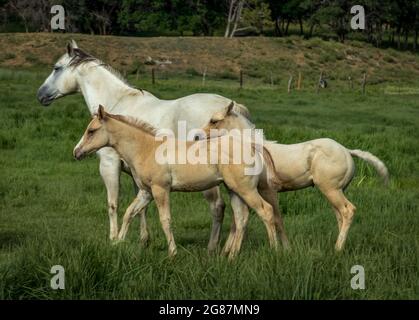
x=271 y=175
x=374 y=161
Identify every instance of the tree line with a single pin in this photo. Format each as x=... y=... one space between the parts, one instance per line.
x=388 y=22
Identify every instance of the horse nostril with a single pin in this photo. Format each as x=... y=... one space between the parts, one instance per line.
x=78 y=154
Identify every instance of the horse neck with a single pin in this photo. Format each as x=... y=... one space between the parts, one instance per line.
x=100 y=86
x=131 y=143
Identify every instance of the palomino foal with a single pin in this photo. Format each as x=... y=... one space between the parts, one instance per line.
x=323 y=163
x=136 y=143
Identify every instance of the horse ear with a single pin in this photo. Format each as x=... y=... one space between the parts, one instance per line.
x=101 y=113
x=230 y=108
x=74 y=44
x=70 y=50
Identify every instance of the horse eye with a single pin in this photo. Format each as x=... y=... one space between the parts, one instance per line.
x=213 y=121
x=56 y=68
x=90 y=131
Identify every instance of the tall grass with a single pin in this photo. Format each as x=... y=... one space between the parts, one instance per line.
x=53 y=210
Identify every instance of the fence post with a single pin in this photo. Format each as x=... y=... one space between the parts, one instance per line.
x=364 y=82
x=320 y=80
x=289 y=84
x=153 y=79
x=299 y=81
x=137 y=73
x=351 y=85
x=204 y=74
x=241 y=78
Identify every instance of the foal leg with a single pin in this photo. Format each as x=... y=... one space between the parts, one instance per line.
x=265 y=212
x=240 y=217
x=144 y=234
x=110 y=170
x=271 y=197
x=230 y=238
x=217 y=206
x=162 y=199
x=345 y=211
x=137 y=206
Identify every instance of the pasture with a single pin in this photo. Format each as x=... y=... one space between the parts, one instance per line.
x=53 y=209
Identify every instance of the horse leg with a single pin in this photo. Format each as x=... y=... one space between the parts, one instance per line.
x=110 y=170
x=240 y=218
x=345 y=211
x=265 y=212
x=137 y=206
x=230 y=238
x=144 y=234
x=271 y=197
x=217 y=206
x=162 y=198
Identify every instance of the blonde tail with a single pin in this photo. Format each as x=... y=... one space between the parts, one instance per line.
x=374 y=161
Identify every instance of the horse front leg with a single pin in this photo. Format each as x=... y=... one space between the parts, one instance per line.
x=217 y=206
x=139 y=205
x=110 y=170
x=162 y=198
x=144 y=233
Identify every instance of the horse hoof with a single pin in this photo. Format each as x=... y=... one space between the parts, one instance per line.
x=145 y=242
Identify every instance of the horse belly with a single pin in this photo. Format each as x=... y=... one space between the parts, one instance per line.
x=194 y=177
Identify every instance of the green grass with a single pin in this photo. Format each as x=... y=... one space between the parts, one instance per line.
x=53 y=209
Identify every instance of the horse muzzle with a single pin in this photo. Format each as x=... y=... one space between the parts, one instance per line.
x=78 y=153
x=45 y=97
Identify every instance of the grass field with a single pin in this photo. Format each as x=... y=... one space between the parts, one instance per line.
x=53 y=209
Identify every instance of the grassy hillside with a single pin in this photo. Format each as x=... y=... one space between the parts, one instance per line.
x=261 y=58
x=53 y=209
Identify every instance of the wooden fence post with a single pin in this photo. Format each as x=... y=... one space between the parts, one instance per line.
x=319 y=83
x=153 y=79
x=351 y=85
x=299 y=81
x=241 y=78
x=204 y=74
x=289 y=84
x=364 y=82
x=137 y=74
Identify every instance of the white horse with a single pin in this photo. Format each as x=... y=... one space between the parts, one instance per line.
x=77 y=71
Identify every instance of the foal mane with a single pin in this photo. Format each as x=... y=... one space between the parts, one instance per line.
x=82 y=57
x=135 y=123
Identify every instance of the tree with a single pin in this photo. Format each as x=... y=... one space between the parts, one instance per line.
x=234 y=15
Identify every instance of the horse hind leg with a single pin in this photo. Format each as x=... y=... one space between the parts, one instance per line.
x=240 y=219
x=271 y=197
x=217 y=207
x=345 y=212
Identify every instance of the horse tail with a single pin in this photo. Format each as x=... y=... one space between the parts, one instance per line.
x=271 y=174
x=374 y=161
x=241 y=109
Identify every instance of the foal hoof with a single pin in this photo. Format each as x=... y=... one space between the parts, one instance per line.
x=145 y=242
x=116 y=242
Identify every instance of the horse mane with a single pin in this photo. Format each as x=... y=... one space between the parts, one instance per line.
x=241 y=109
x=82 y=57
x=135 y=123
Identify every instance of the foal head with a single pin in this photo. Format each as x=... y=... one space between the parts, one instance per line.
x=226 y=121
x=95 y=137
x=62 y=80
